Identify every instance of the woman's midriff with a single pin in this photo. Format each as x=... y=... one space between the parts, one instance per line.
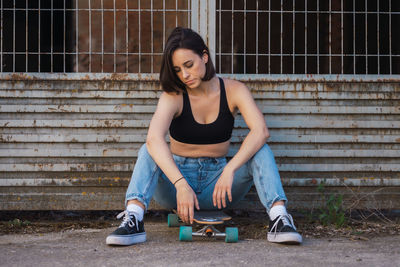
x=197 y=151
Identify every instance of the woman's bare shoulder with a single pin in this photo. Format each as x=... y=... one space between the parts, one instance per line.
x=235 y=88
x=170 y=101
x=234 y=85
x=170 y=96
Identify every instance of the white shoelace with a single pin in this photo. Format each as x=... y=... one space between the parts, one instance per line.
x=127 y=219
x=286 y=220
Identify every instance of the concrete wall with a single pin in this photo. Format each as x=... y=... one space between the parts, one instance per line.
x=69 y=142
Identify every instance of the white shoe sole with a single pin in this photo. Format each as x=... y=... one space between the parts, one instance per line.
x=289 y=238
x=126 y=240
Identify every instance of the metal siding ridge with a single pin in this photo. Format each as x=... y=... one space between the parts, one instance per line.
x=259 y=95
x=321 y=78
x=73 y=138
x=353 y=167
x=237 y=137
x=75 y=123
x=73 y=94
x=124 y=181
x=315 y=124
x=324 y=96
x=68 y=167
x=80 y=86
x=131 y=108
x=104 y=108
x=128 y=167
x=115 y=123
x=48 y=152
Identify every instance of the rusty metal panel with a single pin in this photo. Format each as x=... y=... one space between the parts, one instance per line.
x=70 y=141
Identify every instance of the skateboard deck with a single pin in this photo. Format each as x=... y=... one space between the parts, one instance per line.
x=208 y=219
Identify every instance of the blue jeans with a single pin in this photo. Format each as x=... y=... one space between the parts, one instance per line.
x=148 y=181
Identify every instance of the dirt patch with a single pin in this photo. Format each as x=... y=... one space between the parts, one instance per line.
x=251 y=225
x=255 y=226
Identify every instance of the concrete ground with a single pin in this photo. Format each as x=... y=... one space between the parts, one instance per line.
x=86 y=247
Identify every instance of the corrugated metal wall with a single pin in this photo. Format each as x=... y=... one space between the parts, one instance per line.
x=69 y=142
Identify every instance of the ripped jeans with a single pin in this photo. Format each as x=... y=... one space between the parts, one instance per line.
x=148 y=181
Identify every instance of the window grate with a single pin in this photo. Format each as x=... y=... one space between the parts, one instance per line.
x=98 y=36
x=308 y=37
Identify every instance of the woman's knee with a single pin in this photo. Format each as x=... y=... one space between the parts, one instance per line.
x=144 y=154
x=264 y=153
x=143 y=151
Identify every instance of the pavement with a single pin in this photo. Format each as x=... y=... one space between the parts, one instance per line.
x=86 y=247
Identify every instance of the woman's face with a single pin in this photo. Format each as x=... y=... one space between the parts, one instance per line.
x=189 y=66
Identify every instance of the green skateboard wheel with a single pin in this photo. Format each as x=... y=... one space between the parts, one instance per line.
x=173 y=220
x=185 y=233
x=232 y=234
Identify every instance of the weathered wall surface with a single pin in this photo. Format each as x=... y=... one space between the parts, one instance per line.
x=69 y=142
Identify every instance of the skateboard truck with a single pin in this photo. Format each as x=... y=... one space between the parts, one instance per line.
x=209 y=231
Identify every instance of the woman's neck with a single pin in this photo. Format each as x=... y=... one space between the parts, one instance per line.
x=205 y=88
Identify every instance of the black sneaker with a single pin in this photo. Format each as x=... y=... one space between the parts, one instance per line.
x=282 y=230
x=131 y=231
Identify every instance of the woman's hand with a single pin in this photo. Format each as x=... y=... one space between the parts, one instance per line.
x=186 y=199
x=222 y=188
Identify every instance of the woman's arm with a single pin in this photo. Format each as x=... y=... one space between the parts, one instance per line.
x=158 y=149
x=241 y=98
x=158 y=129
x=258 y=135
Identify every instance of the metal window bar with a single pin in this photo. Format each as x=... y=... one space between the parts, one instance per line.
x=1 y=36
x=318 y=52
x=269 y=36
x=76 y=37
x=341 y=38
x=102 y=36
x=176 y=9
x=140 y=34
x=377 y=38
x=257 y=37
x=366 y=37
x=305 y=38
x=90 y=37
x=330 y=37
x=219 y=37
x=64 y=35
x=14 y=37
x=151 y=36
x=294 y=36
x=390 y=37
x=39 y=48
x=354 y=37
x=51 y=37
x=281 y=38
x=232 y=51
x=115 y=37
x=163 y=35
x=126 y=37
x=26 y=37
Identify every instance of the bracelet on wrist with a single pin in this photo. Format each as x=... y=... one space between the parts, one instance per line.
x=178 y=180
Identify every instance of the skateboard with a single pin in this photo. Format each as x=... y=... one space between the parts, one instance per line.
x=208 y=219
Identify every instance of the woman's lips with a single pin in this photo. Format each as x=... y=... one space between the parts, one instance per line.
x=189 y=82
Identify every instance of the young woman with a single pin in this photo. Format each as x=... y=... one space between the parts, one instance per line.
x=198 y=109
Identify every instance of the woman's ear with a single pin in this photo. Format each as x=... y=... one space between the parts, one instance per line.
x=205 y=56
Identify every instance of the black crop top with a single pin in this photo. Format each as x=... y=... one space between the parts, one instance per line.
x=186 y=129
